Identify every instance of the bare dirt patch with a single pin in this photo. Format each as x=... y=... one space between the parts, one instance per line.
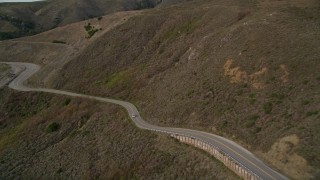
x=239 y=76
x=282 y=154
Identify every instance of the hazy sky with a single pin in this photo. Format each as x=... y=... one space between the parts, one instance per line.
x=1 y=1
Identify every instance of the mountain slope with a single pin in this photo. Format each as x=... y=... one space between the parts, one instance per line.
x=247 y=70
x=233 y=68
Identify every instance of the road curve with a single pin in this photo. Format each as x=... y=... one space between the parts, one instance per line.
x=233 y=150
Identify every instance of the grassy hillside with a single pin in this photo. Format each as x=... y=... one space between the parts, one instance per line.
x=54 y=48
x=245 y=69
x=4 y=68
x=44 y=136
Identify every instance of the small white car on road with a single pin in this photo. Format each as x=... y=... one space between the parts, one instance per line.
x=133 y=115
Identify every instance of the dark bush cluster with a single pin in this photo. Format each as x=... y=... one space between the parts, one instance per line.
x=53 y=127
x=91 y=30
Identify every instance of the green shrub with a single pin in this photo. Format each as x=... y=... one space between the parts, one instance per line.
x=121 y=77
x=278 y=97
x=67 y=101
x=59 y=171
x=224 y=124
x=311 y=113
x=53 y=127
x=306 y=102
x=245 y=85
x=272 y=79
x=161 y=49
x=239 y=92
x=4 y=67
x=58 y=42
x=252 y=99
x=256 y=130
x=267 y=107
x=251 y=121
x=190 y=93
x=91 y=30
x=88 y=27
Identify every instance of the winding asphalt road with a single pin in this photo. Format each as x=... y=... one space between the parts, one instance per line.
x=24 y=71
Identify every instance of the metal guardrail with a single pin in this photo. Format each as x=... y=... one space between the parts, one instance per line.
x=235 y=161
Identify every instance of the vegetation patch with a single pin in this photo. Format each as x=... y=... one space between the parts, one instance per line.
x=58 y=42
x=27 y=108
x=312 y=113
x=25 y=28
x=223 y=124
x=9 y=136
x=53 y=127
x=251 y=121
x=186 y=28
x=252 y=99
x=256 y=130
x=267 y=107
x=306 y=102
x=118 y=78
x=91 y=30
x=190 y=93
x=278 y=97
x=4 y=68
x=67 y=101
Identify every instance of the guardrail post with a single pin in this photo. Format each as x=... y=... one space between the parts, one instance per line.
x=242 y=171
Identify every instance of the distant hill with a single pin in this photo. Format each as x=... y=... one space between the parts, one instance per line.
x=31 y=18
